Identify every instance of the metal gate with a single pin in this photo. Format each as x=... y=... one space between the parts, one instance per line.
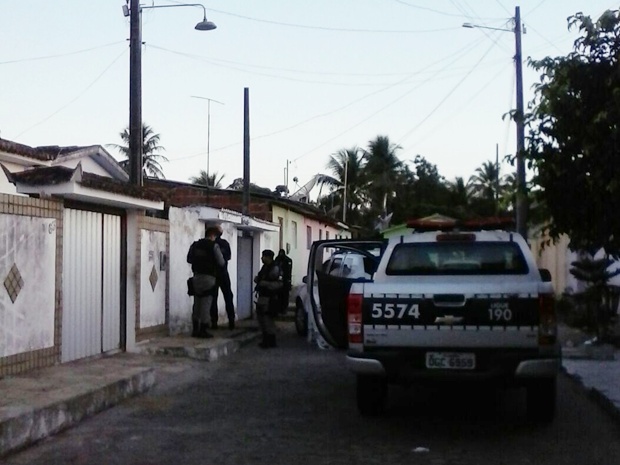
x=91 y=283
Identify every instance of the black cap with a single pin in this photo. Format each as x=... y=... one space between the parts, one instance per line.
x=268 y=253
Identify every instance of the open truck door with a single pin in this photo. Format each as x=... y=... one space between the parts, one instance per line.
x=333 y=266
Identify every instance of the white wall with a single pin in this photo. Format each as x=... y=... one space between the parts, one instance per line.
x=30 y=244
x=185 y=228
x=152 y=297
x=229 y=233
x=132 y=283
x=88 y=165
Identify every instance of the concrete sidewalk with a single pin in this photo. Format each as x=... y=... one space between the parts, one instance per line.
x=594 y=367
x=43 y=402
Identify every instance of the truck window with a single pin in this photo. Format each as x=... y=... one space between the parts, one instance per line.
x=457 y=258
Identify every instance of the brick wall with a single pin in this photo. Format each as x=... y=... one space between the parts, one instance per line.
x=185 y=196
x=38 y=208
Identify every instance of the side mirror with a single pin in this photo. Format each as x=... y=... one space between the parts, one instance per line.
x=304 y=280
x=545 y=275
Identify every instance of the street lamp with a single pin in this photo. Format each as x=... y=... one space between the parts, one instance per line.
x=209 y=100
x=135 y=79
x=521 y=207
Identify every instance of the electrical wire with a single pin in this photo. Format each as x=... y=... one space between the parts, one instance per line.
x=443 y=100
x=385 y=107
x=329 y=29
x=418 y=7
x=59 y=55
x=504 y=6
x=536 y=7
x=214 y=61
x=450 y=64
x=75 y=98
x=463 y=106
x=289 y=78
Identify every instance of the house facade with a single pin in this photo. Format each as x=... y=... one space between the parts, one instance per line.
x=300 y=225
x=271 y=222
x=91 y=264
x=73 y=233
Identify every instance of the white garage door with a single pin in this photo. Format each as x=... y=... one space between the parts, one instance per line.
x=91 y=283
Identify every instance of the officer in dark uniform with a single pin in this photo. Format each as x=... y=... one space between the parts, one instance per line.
x=223 y=283
x=268 y=286
x=285 y=264
x=205 y=257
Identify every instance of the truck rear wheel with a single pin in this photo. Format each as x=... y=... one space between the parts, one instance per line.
x=541 y=400
x=371 y=394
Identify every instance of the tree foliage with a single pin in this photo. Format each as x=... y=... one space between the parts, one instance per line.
x=380 y=185
x=151 y=159
x=210 y=180
x=574 y=136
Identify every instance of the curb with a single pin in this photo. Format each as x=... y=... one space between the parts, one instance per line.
x=601 y=399
x=24 y=425
x=207 y=350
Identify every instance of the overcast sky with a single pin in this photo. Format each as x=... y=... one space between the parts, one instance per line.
x=323 y=75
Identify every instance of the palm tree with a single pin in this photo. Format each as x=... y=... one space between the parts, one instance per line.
x=485 y=182
x=209 y=180
x=346 y=167
x=382 y=170
x=150 y=146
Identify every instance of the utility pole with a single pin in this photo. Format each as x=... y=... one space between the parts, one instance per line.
x=135 y=95
x=496 y=179
x=246 y=151
x=344 y=195
x=286 y=170
x=521 y=207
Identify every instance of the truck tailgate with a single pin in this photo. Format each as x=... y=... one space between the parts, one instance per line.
x=452 y=319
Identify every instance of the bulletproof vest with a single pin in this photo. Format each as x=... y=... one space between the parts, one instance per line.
x=203 y=257
x=224 y=248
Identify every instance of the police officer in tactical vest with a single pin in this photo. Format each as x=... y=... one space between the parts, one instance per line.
x=223 y=283
x=205 y=257
x=268 y=287
x=285 y=264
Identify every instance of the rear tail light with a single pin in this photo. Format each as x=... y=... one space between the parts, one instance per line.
x=547 y=326
x=354 y=318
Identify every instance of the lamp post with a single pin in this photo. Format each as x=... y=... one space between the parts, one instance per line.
x=209 y=100
x=521 y=207
x=135 y=79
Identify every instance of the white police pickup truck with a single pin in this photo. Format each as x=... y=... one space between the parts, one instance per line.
x=443 y=305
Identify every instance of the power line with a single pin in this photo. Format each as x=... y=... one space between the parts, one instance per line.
x=380 y=110
x=536 y=7
x=442 y=101
x=215 y=61
x=59 y=55
x=454 y=113
x=75 y=98
x=289 y=78
x=449 y=65
x=329 y=29
x=418 y=7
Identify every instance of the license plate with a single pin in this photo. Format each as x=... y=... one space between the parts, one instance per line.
x=450 y=361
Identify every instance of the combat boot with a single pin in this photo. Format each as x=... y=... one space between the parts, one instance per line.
x=203 y=333
x=269 y=341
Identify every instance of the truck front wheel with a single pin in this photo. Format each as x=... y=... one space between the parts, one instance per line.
x=371 y=394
